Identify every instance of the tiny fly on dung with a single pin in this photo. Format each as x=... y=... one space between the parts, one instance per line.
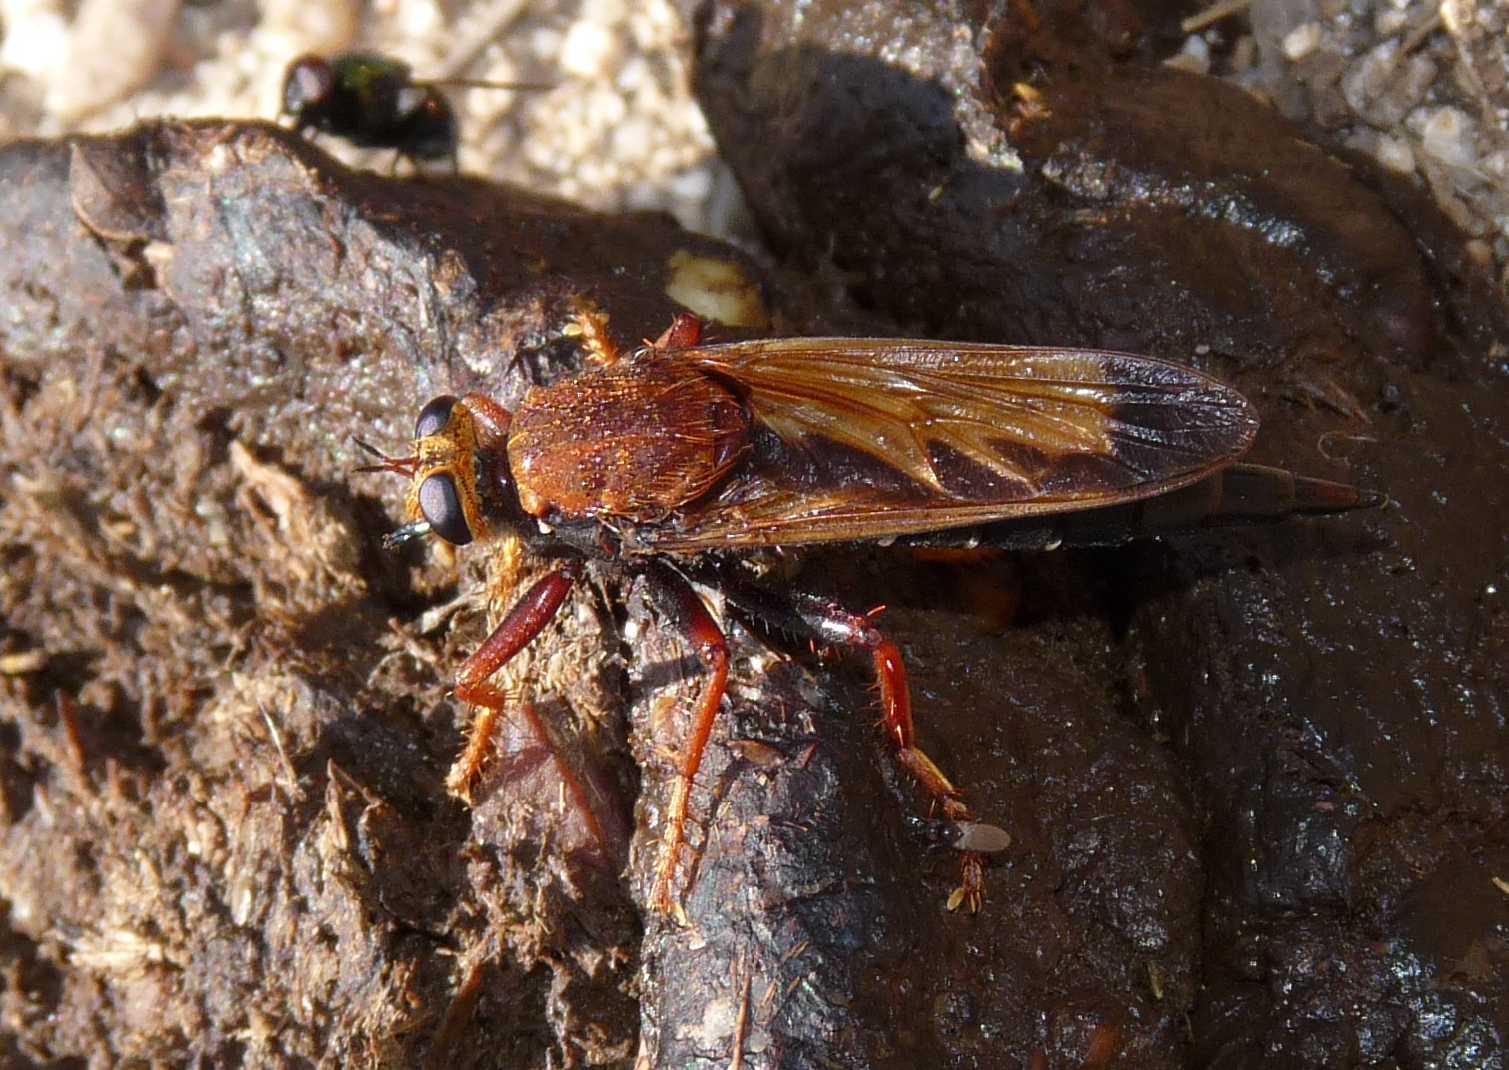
x=666 y=460
x=374 y=102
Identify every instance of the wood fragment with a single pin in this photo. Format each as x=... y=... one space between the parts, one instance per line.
x=1223 y=9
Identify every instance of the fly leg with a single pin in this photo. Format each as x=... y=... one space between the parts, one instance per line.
x=827 y=622
x=676 y=597
x=588 y=323
x=684 y=332
x=516 y=631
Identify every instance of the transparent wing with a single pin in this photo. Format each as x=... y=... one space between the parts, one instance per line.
x=861 y=438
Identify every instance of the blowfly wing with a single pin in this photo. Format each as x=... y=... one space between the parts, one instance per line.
x=861 y=438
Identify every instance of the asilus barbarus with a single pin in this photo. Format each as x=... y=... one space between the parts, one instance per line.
x=668 y=460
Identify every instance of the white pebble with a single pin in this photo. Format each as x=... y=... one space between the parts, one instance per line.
x=115 y=48
x=589 y=50
x=1496 y=165
x=1450 y=136
x=1301 y=41
x=36 y=37
x=1193 y=57
x=1395 y=154
x=295 y=26
x=1368 y=78
x=695 y=184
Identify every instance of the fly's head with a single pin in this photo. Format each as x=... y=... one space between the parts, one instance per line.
x=309 y=88
x=460 y=485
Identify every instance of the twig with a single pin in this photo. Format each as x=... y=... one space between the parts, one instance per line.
x=499 y=19
x=1222 y=9
x=741 y=1023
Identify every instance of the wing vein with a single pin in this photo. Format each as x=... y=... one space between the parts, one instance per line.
x=980 y=432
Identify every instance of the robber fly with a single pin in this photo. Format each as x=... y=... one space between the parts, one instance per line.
x=667 y=459
x=374 y=102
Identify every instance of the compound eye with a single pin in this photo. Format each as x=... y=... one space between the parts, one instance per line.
x=441 y=506
x=310 y=83
x=434 y=416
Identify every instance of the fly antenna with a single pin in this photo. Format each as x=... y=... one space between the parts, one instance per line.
x=402 y=465
x=478 y=83
x=398 y=536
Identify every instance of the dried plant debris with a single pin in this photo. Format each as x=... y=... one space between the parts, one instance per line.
x=224 y=714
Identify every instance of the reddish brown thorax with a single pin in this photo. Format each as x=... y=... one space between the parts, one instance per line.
x=636 y=440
